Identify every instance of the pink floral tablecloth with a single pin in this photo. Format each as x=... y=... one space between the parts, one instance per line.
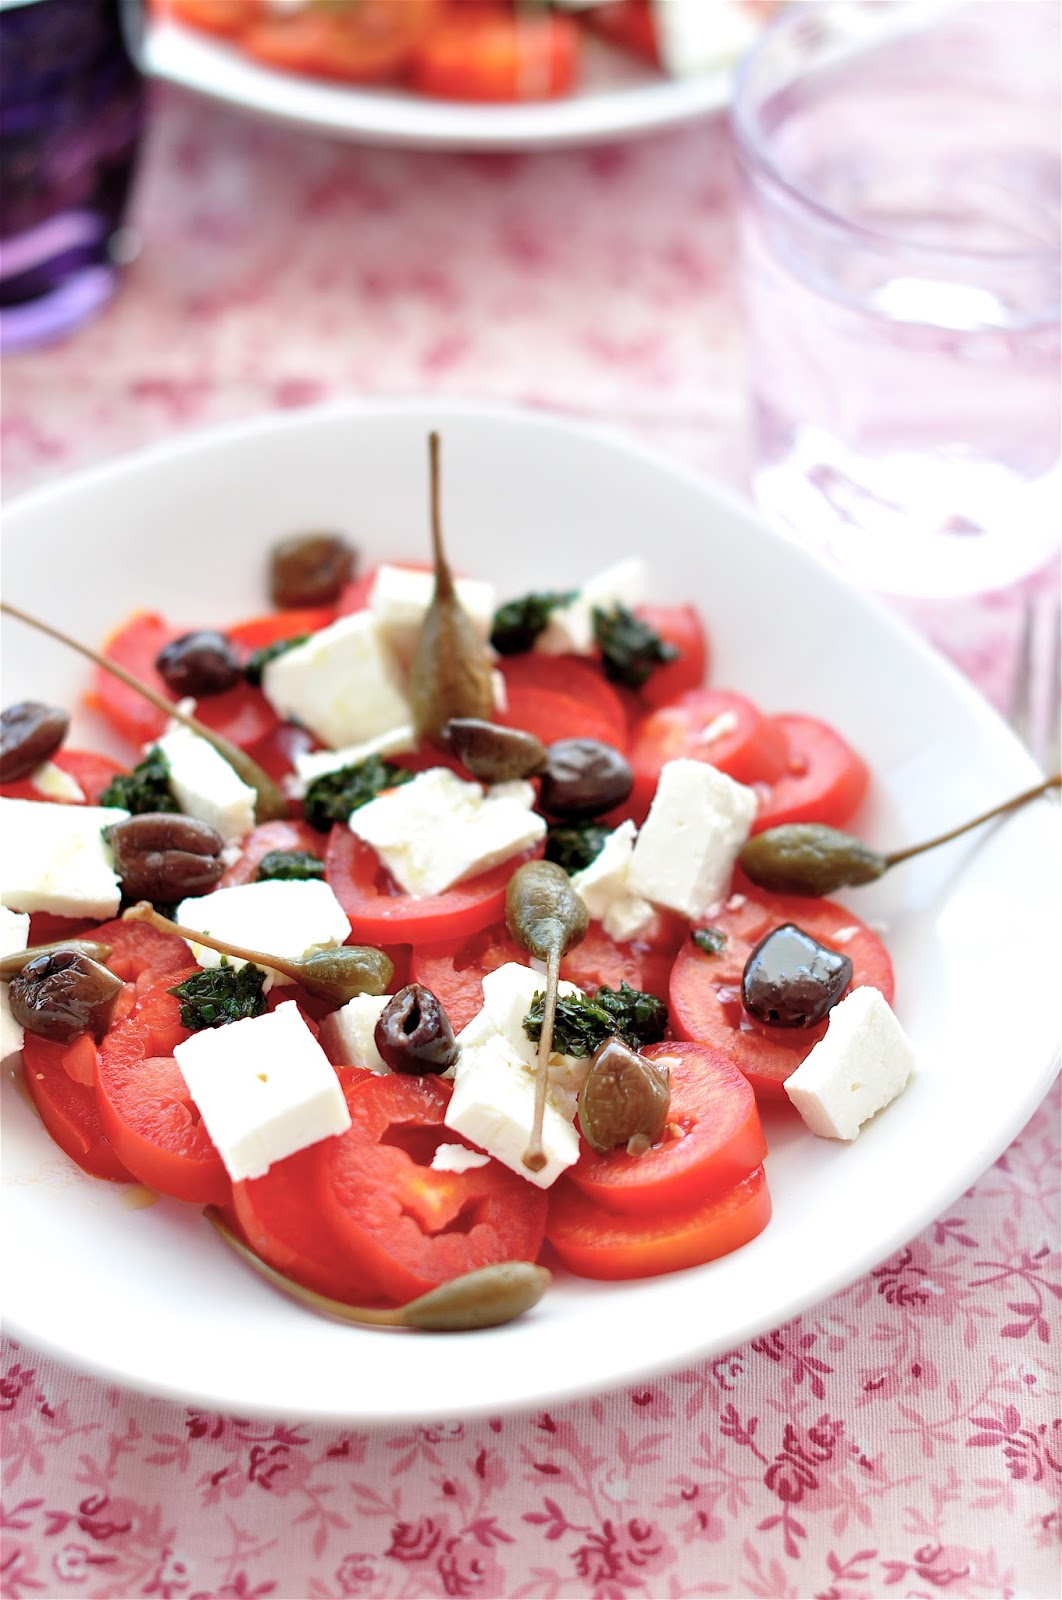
x=901 y=1439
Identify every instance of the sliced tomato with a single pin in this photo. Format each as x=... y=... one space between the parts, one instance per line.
x=598 y=1243
x=139 y=951
x=823 y=780
x=228 y=18
x=712 y=725
x=480 y=56
x=409 y=1226
x=269 y=836
x=628 y=23
x=551 y=716
x=45 y=928
x=574 y=677
x=69 y=1111
x=91 y=771
x=681 y=627
x=81 y=1060
x=372 y=42
x=258 y=633
x=713 y=1139
x=705 y=993
x=380 y=913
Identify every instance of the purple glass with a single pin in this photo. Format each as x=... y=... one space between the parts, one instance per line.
x=71 y=112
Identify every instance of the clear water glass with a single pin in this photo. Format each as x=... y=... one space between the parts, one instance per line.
x=902 y=180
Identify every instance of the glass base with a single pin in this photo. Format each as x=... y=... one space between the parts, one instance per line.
x=52 y=315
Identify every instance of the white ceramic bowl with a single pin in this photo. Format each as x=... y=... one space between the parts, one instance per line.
x=150 y=1297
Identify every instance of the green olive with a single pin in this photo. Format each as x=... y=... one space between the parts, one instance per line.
x=624 y=1097
x=494 y=754
x=809 y=858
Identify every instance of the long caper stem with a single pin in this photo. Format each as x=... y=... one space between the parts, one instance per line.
x=12 y=965
x=444 y=578
x=975 y=822
x=269 y=799
x=535 y=1155
x=143 y=911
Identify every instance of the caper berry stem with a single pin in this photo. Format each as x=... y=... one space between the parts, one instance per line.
x=1054 y=782
x=10 y=965
x=535 y=1156
x=269 y=799
x=444 y=578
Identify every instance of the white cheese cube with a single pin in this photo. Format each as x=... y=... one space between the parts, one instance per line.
x=507 y=995
x=287 y=918
x=55 y=784
x=264 y=1089
x=342 y=683
x=347 y=1036
x=570 y=629
x=457 y=1158
x=14 y=936
x=53 y=858
x=863 y=1061
x=313 y=764
x=693 y=36
x=400 y=598
x=493 y=1106
x=434 y=831
x=205 y=786
x=604 y=886
x=685 y=852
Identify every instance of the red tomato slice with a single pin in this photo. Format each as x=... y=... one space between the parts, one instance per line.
x=551 y=716
x=379 y=912
x=720 y=1142
x=81 y=1060
x=138 y=950
x=824 y=779
x=705 y=995
x=598 y=1243
x=372 y=42
x=91 y=771
x=628 y=23
x=260 y=632
x=681 y=627
x=483 y=57
x=45 y=928
x=409 y=1226
x=748 y=746
x=280 y=835
x=68 y=1110
x=576 y=679
x=225 y=17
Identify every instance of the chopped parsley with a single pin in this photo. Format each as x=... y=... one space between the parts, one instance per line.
x=256 y=664
x=289 y=864
x=518 y=623
x=711 y=940
x=222 y=994
x=146 y=788
x=583 y=1022
x=573 y=845
x=333 y=796
x=630 y=648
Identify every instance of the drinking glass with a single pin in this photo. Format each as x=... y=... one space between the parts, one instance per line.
x=902 y=171
x=71 y=108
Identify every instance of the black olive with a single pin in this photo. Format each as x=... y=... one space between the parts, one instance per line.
x=29 y=734
x=199 y=664
x=584 y=778
x=414 y=1034
x=63 y=994
x=164 y=858
x=309 y=569
x=494 y=754
x=791 y=980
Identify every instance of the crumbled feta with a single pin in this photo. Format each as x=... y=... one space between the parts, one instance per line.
x=493 y=1105
x=14 y=936
x=863 y=1061
x=570 y=629
x=604 y=886
x=55 y=784
x=289 y=918
x=400 y=598
x=342 y=684
x=54 y=858
x=438 y=829
x=313 y=764
x=685 y=852
x=457 y=1158
x=348 y=1035
x=205 y=786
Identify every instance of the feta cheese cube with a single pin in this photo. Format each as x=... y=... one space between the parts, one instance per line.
x=507 y=995
x=55 y=784
x=54 y=858
x=457 y=1158
x=14 y=936
x=685 y=852
x=205 y=786
x=693 y=37
x=264 y=1089
x=604 y=886
x=342 y=683
x=313 y=764
x=570 y=629
x=290 y=918
x=400 y=598
x=347 y=1036
x=493 y=1106
x=438 y=829
x=863 y=1061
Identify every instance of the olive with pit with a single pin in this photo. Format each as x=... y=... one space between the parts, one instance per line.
x=63 y=994
x=413 y=1033
x=199 y=664
x=494 y=754
x=309 y=569
x=29 y=734
x=584 y=778
x=164 y=858
x=791 y=980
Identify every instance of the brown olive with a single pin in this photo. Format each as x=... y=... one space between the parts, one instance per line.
x=791 y=980
x=163 y=857
x=29 y=734
x=199 y=664
x=494 y=754
x=584 y=778
x=63 y=994
x=414 y=1034
x=624 y=1097
x=309 y=569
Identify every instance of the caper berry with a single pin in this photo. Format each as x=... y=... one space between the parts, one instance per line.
x=494 y=754
x=164 y=858
x=309 y=569
x=584 y=778
x=63 y=994
x=413 y=1033
x=29 y=734
x=543 y=912
x=808 y=858
x=791 y=980
x=199 y=664
x=624 y=1097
